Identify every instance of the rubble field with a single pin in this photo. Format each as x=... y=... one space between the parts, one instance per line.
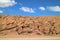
x=39 y=25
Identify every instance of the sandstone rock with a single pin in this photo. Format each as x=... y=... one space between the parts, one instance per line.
x=43 y=25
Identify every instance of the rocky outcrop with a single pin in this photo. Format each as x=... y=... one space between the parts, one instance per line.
x=42 y=25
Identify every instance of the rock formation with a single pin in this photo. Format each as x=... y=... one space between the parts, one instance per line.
x=41 y=25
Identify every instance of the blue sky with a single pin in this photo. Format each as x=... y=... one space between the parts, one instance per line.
x=30 y=7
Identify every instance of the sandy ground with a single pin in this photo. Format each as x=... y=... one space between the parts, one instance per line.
x=30 y=38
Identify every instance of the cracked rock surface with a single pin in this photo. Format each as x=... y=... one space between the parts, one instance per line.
x=41 y=25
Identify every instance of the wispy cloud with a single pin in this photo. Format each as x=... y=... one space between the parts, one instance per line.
x=27 y=9
x=42 y=8
x=54 y=8
x=7 y=3
x=1 y=11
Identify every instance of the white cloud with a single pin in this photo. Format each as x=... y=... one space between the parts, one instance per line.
x=27 y=9
x=54 y=8
x=42 y=8
x=1 y=11
x=7 y=3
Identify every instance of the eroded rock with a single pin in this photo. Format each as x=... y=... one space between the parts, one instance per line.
x=22 y=24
